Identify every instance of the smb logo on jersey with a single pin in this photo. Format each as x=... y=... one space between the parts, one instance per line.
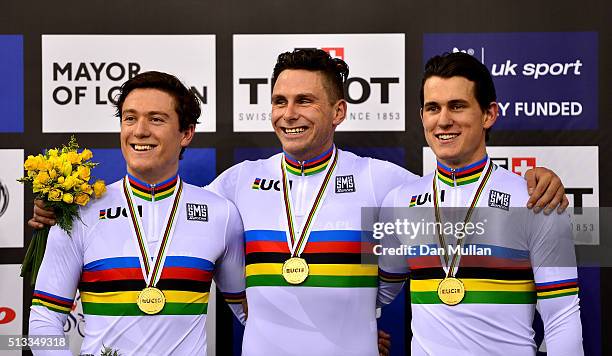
x=499 y=200
x=82 y=75
x=267 y=184
x=375 y=87
x=113 y=213
x=345 y=184
x=545 y=80
x=197 y=212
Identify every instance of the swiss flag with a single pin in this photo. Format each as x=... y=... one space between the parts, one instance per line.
x=520 y=165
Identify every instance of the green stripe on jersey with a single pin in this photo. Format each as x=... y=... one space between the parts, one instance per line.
x=269 y=280
x=131 y=309
x=478 y=297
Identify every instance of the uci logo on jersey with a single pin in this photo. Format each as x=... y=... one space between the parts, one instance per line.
x=421 y=199
x=345 y=184
x=267 y=184
x=499 y=200
x=197 y=212
x=113 y=213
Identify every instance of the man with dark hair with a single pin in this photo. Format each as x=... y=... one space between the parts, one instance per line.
x=308 y=291
x=186 y=104
x=474 y=289
x=144 y=255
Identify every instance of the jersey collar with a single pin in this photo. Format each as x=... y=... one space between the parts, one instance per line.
x=461 y=176
x=308 y=167
x=152 y=192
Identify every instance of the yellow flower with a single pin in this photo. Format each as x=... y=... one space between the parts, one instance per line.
x=31 y=163
x=60 y=180
x=52 y=173
x=44 y=165
x=99 y=188
x=73 y=157
x=66 y=169
x=55 y=195
x=52 y=152
x=67 y=198
x=69 y=182
x=86 y=188
x=42 y=177
x=81 y=199
x=86 y=154
x=83 y=172
x=37 y=187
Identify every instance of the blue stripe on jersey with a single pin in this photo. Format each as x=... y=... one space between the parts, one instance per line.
x=571 y=280
x=315 y=236
x=67 y=300
x=189 y=262
x=133 y=262
x=504 y=252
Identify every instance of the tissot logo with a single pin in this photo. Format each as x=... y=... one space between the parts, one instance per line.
x=113 y=213
x=267 y=184
x=374 y=89
x=197 y=212
x=421 y=199
x=499 y=200
x=4 y=198
x=7 y=315
x=82 y=75
x=345 y=184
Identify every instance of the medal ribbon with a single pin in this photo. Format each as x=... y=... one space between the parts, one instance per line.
x=297 y=246
x=476 y=196
x=152 y=275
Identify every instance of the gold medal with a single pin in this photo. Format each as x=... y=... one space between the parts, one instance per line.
x=451 y=291
x=151 y=300
x=295 y=270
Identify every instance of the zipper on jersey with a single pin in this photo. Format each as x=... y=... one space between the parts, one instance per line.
x=453 y=170
x=152 y=192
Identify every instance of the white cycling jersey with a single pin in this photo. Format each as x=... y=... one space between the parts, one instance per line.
x=513 y=262
x=333 y=311
x=101 y=259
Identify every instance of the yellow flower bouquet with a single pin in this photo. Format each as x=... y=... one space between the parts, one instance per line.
x=61 y=178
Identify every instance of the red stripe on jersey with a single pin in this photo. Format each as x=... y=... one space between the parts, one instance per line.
x=112 y=274
x=493 y=262
x=193 y=274
x=338 y=247
x=267 y=246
